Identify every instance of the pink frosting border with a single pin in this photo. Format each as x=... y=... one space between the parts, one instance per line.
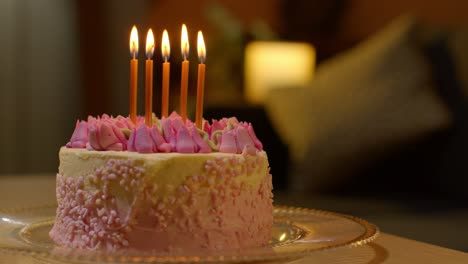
x=170 y=134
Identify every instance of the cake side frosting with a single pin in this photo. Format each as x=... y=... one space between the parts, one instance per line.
x=162 y=201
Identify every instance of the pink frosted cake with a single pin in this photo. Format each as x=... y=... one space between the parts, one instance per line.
x=171 y=187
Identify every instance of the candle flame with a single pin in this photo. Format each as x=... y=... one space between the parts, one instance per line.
x=184 y=43
x=149 y=44
x=201 y=47
x=134 y=42
x=165 y=46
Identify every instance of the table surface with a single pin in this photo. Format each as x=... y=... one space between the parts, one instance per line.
x=18 y=191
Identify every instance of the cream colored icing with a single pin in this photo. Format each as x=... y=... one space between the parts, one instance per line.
x=165 y=169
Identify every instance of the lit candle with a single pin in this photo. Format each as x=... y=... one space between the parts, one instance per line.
x=185 y=73
x=201 y=80
x=133 y=73
x=149 y=79
x=166 y=51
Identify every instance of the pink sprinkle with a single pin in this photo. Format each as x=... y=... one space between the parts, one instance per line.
x=171 y=199
x=160 y=206
x=182 y=189
x=133 y=182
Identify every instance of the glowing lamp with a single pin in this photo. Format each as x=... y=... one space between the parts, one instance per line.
x=270 y=65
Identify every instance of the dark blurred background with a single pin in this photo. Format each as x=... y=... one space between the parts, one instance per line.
x=379 y=131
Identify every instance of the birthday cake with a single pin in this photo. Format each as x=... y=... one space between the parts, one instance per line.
x=169 y=187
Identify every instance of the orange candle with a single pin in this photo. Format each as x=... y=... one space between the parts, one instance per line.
x=165 y=50
x=201 y=80
x=149 y=79
x=185 y=73
x=133 y=73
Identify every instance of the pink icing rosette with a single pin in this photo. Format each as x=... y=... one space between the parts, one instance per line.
x=140 y=140
x=158 y=140
x=200 y=144
x=106 y=133
x=147 y=140
x=175 y=137
x=238 y=138
x=80 y=135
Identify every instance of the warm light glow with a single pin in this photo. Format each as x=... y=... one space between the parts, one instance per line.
x=282 y=237
x=165 y=46
x=149 y=44
x=134 y=42
x=270 y=65
x=11 y=221
x=201 y=48
x=184 y=43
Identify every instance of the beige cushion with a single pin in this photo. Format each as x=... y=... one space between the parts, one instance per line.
x=361 y=102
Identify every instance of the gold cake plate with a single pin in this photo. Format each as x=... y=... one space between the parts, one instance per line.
x=297 y=232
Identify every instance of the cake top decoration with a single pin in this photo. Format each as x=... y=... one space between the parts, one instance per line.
x=171 y=134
